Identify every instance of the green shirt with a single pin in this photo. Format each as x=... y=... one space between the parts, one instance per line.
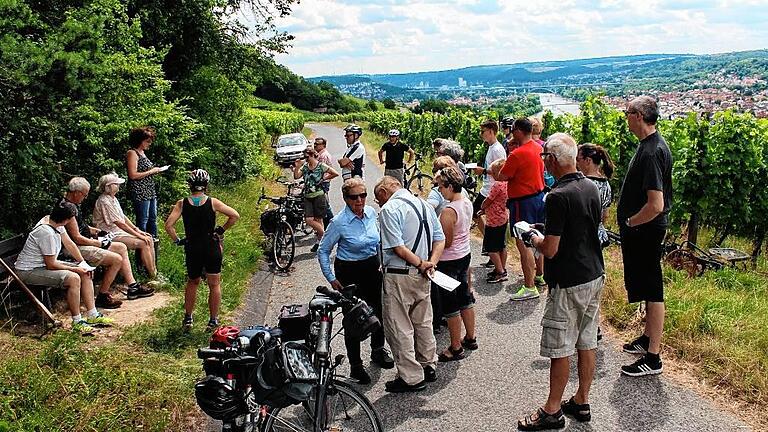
x=312 y=180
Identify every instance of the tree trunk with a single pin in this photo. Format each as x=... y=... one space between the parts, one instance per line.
x=693 y=228
x=757 y=245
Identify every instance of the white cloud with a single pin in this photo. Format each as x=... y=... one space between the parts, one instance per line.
x=402 y=36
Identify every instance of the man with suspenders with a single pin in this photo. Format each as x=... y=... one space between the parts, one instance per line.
x=412 y=241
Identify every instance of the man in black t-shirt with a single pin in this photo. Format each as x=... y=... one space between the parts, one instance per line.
x=644 y=203
x=574 y=272
x=395 y=151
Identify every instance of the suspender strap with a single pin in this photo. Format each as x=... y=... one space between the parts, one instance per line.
x=423 y=226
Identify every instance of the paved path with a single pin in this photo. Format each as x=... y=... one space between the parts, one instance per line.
x=506 y=377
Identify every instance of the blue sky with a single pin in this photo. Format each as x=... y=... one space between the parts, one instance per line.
x=391 y=36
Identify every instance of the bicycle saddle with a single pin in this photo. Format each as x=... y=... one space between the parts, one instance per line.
x=320 y=301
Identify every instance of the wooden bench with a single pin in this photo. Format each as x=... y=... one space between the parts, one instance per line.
x=10 y=282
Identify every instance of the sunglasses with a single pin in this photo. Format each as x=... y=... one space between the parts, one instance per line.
x=355 y=197
x=545 y=154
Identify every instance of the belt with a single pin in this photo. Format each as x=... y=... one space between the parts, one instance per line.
x=524 y=197
x=402 y=271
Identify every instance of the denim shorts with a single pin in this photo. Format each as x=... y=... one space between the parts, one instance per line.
x=461 y=298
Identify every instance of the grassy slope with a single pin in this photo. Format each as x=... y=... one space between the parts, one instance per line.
x=144 y=380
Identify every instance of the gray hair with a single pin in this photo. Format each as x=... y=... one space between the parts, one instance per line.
x=78 y=184
x=563 y=147
x=647 y=107
x=350 y=184
x=387 y=183
x=453 y=149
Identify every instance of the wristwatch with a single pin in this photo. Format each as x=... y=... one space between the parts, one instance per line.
x=627 y=223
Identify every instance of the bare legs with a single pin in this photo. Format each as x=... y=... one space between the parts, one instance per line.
x=214 y=294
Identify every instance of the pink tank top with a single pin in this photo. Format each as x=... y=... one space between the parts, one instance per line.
x=460 y=246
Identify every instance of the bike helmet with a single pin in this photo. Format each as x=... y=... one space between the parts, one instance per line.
x=394 y=132
x=218 y=399
x=354 y=129
x=198 y=179
x=224 y=336
x=507 y=122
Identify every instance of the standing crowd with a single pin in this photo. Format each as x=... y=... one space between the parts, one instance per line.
x=552 y=196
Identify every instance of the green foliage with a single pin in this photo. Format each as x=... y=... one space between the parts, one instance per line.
x=389 y=103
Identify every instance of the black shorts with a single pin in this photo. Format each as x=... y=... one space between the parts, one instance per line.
x=459 y=299
x=641 y=251
x=203 y=258
x=477 y=204
x=495 y=238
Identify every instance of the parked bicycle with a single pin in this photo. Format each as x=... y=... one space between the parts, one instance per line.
x=415 y=180
x=278 y=224
x=259 y=379
x=688 y=256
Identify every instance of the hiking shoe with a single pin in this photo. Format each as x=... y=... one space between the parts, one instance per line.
x=106 y=301
x=494 y=277
x=315 y=247
x=213 y=323
x=542 y=421
x=358 y=372
x=643 y=366
x=539 y=281
x=383 y=358
x=186 y=325
x=99 y=320
x=580 y=412
x=637 y=346
x=83 y=328
x=525 y=293
x=430 y=374
x=139 y=291
x=399 y=386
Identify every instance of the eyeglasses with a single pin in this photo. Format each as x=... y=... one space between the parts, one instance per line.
x=545 y=154
x=355 y=197
x=348 y=134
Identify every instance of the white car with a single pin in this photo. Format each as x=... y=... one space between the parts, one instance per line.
x=289 y=148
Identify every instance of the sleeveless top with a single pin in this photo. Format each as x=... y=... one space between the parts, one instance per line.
x=199 y=221
x=142 y=189
x=460 y=246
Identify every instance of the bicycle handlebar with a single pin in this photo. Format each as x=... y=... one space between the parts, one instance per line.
x=219 y=353
x=336 y=296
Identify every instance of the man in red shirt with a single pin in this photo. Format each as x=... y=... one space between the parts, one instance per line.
x=524 y=173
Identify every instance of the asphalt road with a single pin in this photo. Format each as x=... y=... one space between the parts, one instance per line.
x=506 y=378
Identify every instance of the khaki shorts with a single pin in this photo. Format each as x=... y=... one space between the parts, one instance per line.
x=41 y=276
x=571 y=318
x=91 y=254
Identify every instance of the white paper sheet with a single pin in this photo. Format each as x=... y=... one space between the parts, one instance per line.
x=471 y=165
x=164 y=168
x=84 y=265
x=444 y=281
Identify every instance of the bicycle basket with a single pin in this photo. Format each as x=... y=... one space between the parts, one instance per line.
x=217 y=399
x=269 y=220
x=294 y=321
x=360 y=321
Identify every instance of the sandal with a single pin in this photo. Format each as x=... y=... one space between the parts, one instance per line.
x=455 y=355
x=541 y=420
x=470 y=344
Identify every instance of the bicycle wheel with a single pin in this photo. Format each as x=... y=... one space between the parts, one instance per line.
x=420 y=184
x=344 y=409
x=283 y=246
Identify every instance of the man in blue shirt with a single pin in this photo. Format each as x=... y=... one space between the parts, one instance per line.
x=412 y=242
x=355 y=233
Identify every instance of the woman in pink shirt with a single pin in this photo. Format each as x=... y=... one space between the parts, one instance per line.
x=458 y=304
